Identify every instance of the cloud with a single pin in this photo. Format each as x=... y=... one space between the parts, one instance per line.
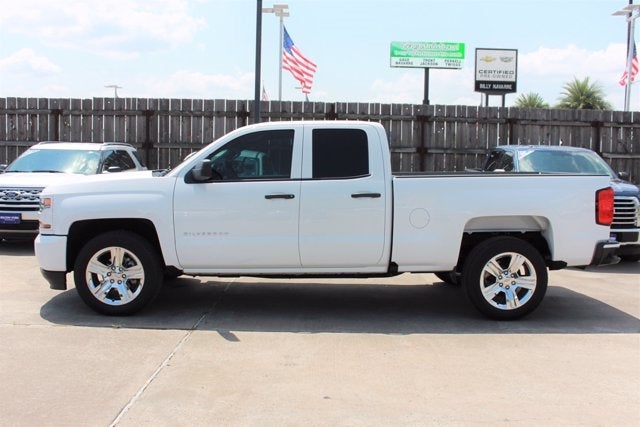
x=404 y=89
x=573 y=60
x=197 y=85
x=27 y=61
x=547 y=70
x=119 y=29
x=452 y=87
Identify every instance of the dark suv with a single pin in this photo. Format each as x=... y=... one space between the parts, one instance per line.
x=53 y=162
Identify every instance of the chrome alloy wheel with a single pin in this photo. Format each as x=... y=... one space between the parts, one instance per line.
x=115 y=276
x=508 y=281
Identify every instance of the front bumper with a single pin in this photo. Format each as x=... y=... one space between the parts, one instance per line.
x=626 y=236
x=51 y=253
x=605 y=253
x=17 y=224
x=57 y=279
x=629 y=241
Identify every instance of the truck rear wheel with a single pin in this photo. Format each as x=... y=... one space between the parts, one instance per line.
x=505 y=278
x=117 y=273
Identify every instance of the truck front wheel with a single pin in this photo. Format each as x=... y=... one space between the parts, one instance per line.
x=505 y=277
x=117 y=273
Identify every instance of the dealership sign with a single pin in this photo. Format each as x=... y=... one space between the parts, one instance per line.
x=496 y=70
x=427 y=54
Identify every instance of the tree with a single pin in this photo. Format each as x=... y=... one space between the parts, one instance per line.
x=583 y=95
x=530 y=100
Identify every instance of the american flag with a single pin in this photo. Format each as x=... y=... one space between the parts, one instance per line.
x=635 y=66
x=301 y=67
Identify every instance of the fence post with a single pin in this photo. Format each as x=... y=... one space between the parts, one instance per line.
x=56 y=113
x=422 y=150
x=148 y=144
x=511 y=121
x=597 y=140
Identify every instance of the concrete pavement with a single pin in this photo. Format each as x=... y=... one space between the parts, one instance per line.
x=402 y=351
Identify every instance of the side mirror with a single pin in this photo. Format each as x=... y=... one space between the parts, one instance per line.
x=2 y=168
x=202 y=171
x=623 y=176
x=112 y=169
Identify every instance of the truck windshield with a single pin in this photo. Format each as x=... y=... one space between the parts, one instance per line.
x=67 y=161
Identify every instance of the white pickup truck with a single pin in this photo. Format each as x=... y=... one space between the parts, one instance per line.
x=294 y=199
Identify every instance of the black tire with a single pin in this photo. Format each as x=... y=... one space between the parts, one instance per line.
x=448 y=277
x=630 y=258
x=171 y=273
x=505 y=278
x=116 y=265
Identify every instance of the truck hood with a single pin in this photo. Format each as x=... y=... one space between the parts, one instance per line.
x=624 y=188
x=104 y=183
x=37 y=179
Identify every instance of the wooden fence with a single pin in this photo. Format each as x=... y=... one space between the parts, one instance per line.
x=422 y=137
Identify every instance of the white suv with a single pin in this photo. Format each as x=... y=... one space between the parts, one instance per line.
x=53 y=162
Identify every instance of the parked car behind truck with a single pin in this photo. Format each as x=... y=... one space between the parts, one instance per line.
x=625 y=227
x=47 y=163
x=318 y=199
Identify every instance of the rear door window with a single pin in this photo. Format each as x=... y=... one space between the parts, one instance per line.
x=340 y=153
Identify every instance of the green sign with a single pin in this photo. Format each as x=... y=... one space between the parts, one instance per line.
x=427 y=54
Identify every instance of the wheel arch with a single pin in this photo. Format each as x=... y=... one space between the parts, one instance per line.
x=535 y=238
x=82 y=231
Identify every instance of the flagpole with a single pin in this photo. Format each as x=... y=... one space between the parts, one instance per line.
x=256 y=99
x=628 y=13
x=281 y=11
x=280 y=63
x=630 y=41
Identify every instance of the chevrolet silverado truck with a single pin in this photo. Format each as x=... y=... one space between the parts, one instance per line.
x=318 y=199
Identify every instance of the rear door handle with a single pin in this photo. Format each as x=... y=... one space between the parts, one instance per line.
x=366 y=195
x=279 y=196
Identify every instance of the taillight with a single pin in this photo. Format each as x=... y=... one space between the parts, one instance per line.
x=604 y=206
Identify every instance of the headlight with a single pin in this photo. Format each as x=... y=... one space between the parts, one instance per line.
x=44 y=216
x=45 y=203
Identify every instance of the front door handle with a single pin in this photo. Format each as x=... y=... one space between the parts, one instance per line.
x=366 y=195
x=279 y=196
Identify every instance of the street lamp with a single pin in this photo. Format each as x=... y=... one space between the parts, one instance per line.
x=115 y=89
x=281 y=11
x=256 y=94
x=628 y=12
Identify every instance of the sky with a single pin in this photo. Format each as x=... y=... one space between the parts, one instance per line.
x=205 y=49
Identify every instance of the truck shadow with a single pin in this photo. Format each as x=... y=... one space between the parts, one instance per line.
x=295 y=306
x=620 y=268
x=23 y=247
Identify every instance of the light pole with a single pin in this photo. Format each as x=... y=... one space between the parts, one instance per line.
x=115 y=89
x=628 y=12
x=256 y=94
x=281 y=11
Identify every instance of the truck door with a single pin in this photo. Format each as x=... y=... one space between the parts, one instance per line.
x=343 y=199
x=246 y=217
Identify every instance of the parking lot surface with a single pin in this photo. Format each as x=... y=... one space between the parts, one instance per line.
x=408 y=350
